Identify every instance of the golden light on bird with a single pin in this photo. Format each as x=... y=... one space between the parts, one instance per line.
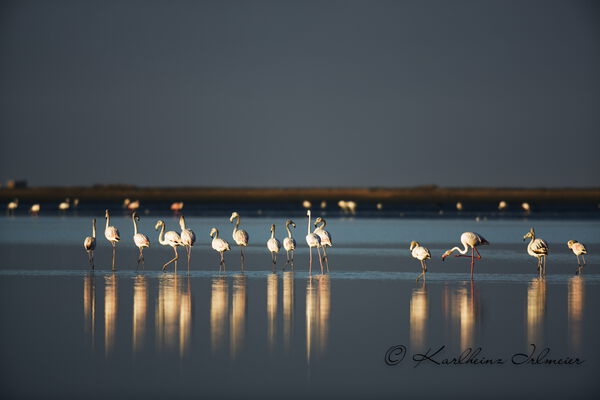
x=75 y=202
x=13 y=204
x=306 y=204
x=126 y=202
x=323 y=204
x=133 y=205
x=379 y=206
x=177 y=206
x=351 y=206
x=459 y=206
x=64 y=205
x=525 y=206
x=502 y=205
x=35 y=209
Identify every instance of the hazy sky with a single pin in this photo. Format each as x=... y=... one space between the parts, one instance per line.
x=301 y=93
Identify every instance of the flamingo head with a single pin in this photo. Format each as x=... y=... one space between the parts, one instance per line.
x=272 y=227
x=213 y=232
x=413 y=244
x=290 y=222
x=234 y=215
x=308 y=213
x=319 y=220
x=159 y=223
x=529 y=234
x=446 y=254
x=106 y=213
x=570 y=243
x=135 y=216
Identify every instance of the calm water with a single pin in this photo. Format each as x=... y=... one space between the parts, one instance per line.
x=68 y=332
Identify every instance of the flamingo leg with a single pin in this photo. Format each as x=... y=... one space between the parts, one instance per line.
x=310 y=263
x=472 y=261
x=113 y=257
x=325 y=258
x=142 y=257
x=242 y=258
x=422 y=272
x=583 y=258
x=189 y=255
x=174 y=259
x=320 y=261
x=477 y=251
x=544 y=265
x=139 y=258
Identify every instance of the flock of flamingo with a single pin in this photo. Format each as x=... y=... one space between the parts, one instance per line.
x=318 y=238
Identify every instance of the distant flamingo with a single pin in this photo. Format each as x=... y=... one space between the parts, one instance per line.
x=468 y=239
x=537 y=248
x=273 y=245
x=171 y=238
x=133 y=205
x=502 y=205
x=188 y=237
x=420 y=253
x=240 y=236
x=112 y=235
x=89 y=244
x=12 y=206
x=64 y=205
x=325 y=238
x=177 y=206
x=139 y=239
x=35 y=209
x=313 y=240
x=219 y=245
x=579 y=250
x=289 y=243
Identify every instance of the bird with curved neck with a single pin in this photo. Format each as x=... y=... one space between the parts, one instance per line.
x=89 y=244
x=240 y=236
x=112 y=235
x=188 y=237
x=273 y=245
x=170 y=238
x=579 y=250
x=468 y=239
x=289 y=243
x=537 y=248
x=325 y=237
x=140 y=240
x=420 y=253
x=313 y=240
x=219 y=245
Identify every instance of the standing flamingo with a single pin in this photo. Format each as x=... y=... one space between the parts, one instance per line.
x=219 y=245
x=240 y=236
x=468 y=239
x=420 y=253
x=313 y=240
x=537 y=248
x=64 y=205
x=325 y=238
x=12 y=206
x=188 y=237
x=89 y=244
x=579 y=250
x=139 y=239
x=112 y=235
x=289 y=243
x=273 y=245
x=35 y=209
x=171 y=238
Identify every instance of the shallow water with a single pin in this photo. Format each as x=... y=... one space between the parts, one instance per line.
x=71 y=332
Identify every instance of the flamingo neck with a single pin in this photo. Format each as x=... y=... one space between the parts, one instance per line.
x=461 y=251
x=236 y=224
x=287 y=228
x=308 y=227
x=134 y=225
x=107 y=220
x=94 y=229
x=182 y=223
x=216 y=234
x=161 y=235
x=272 y=233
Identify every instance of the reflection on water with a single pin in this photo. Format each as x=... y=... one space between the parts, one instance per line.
x=173 y=314
x=140 y=305
x=419 y=310
x=89 y=307
x=237 y=322
x=462 y=311
x=536 y=310
x=110 y=312
x=219 y=299
x=576 y=299
x=318 y=296
x=272 y=284
x=288 y=309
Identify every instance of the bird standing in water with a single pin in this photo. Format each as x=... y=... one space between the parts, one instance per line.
x=139 y=239
x=89 y=243
x=219 y=245
x=313 y=240
x=171 y=238
x=273 y=245
x=240 y=236
x=420 y=253
x=537 y=248
x=289 y=243
x=325 y=237
x=579 y=250
x=112 y=235
x=188 y=237
x=468 y=239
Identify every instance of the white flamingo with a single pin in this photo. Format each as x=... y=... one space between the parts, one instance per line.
x=273 y=245
x=188 y=237
x=240 y=236
x=420 y=253
x=579 y=250
x=468 y=239
x=35 y=209
x=325 y=238
x=170 y=238
x=313 y=240
x=64 y=205
x=139 y=239
x=219 y=245
x=12 y=206
x=289 y=243
x=537 y=248
x=89 y=244
x=112 y=235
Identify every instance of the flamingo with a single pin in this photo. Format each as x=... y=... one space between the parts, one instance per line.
x=351 y=206
x=219 y=244
x=171 y=238
x=240 y=236
x=133 y=205
x=64 y=205
x=112 y=235
x=459 y=206
x=325 y=238
x=35 y=209
x=468 y=239
x=289 y=243
x=420 y=253
x=89 y=243
x=273 y=245
x=188 y=237
x=579 y=250
x=313 y=240
x=502 y=205
x=177 y=206
x=306 y=204
x=139 y=239
x=12 y=206
x=526 y=207
x=537 y=248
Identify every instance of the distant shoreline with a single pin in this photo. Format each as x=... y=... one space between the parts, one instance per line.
x=424 y=194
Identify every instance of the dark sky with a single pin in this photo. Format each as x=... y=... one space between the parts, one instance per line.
x=283 y=93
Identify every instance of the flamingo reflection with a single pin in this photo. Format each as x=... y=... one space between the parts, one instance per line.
x=173 y=314
x=536 y=310
x=237 y=321
x=110 y=312
x=140 y=304
x=419 y=311
x=218 y=311
x=288 y=308
x=462 y=310
x=318 y=296
x=89 y=306
x=576 y=299
x=272 y=284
